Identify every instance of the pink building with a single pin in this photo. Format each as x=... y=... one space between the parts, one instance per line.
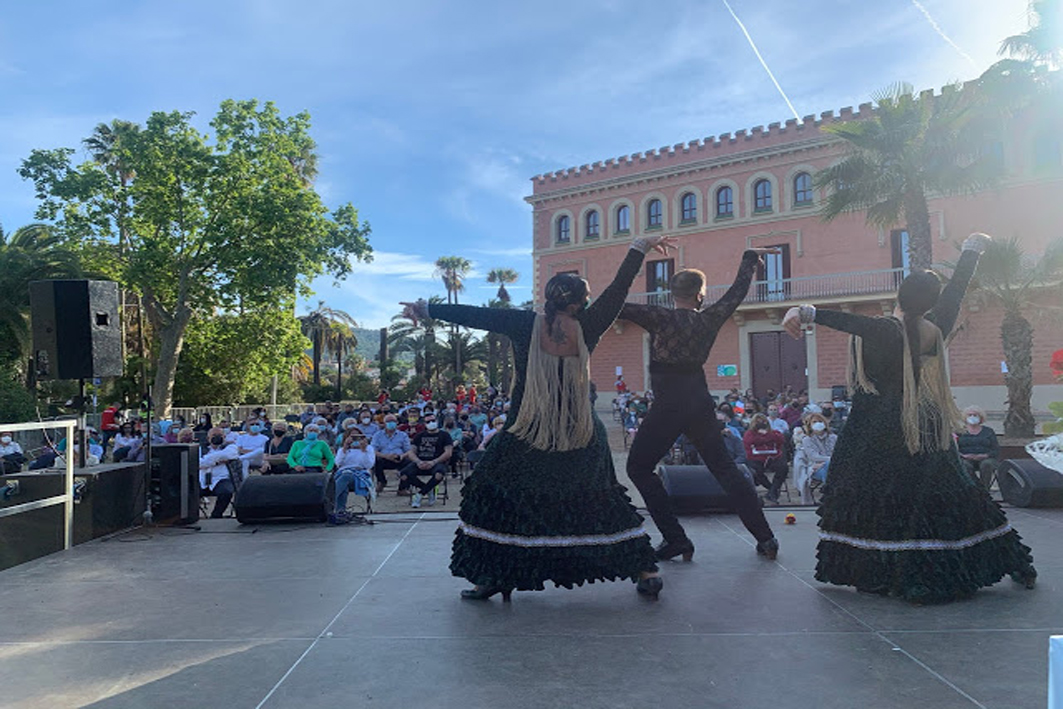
x=723 y=194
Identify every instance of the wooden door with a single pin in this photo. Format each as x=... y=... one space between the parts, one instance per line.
x=777 y=360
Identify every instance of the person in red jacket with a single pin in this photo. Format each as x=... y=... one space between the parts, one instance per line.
x=109 y=421
x=766 y=452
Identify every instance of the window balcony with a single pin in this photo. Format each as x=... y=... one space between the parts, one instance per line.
x=853 y=285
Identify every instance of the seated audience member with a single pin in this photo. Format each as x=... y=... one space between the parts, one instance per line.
x=766 y=452
x=735 y=446
x=127 y=444
x=214 y=470
x=354 y=463
x=311 y=454
x=345 y=428
x=95 y=453
x=186 y=435
x=461 y=436
x=813 y=455
x=390 y=446
x=11 y=455
x=978 y=446
x=428 y=454
x=348 y=412
x=410 y=421
x=792 y=412
x=366 y=425
x=733 y=420
x=227 y=431
x=205 y=423
x=777 y=422
x=252 y=445
x=275 y=460
x=46 y=457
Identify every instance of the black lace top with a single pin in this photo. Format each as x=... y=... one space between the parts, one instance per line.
x=680 y=339
x=517 y=324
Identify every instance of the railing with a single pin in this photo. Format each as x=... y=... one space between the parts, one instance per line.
x=67 y=498
x=803 y=288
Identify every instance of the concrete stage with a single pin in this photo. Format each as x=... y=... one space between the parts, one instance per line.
x=368 y=616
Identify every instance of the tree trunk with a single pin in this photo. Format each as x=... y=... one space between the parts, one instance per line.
x=339 y=373
x=316 y=354
x=1016 y=336
x=492 y=357
x=920 y=241
x=171 y=340
x=429 y=343
x=507 y=365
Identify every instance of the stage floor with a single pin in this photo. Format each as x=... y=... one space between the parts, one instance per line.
x=368 y=616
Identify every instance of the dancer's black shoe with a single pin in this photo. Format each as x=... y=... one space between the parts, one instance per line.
x=482 y=593
x=669 y=550
x=650 y=587
x=1026 y=577
x=769 y=549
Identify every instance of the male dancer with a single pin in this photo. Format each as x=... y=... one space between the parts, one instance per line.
x=680 y=340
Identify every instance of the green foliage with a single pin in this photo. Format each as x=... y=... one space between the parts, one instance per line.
x=195 y=225
x=231 y=359
x=17 y=405
x=1056 y=407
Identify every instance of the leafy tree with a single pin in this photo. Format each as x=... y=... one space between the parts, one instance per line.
x=419 y=338
x=16 y=403
x=209 y=224
x=502 y=276
x=453 y=270
x=230 y=357
x=31 y=253
x=1011 y=278
x=329 y=330
x=1042 y=43
x=912 y=146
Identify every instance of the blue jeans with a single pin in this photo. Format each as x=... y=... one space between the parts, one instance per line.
x=344 y=487
x=821 y=473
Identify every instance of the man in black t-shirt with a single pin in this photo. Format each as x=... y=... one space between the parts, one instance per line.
x=429 y=451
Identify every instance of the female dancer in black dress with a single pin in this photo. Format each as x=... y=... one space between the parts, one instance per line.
x=900 y=515
x=544 y=503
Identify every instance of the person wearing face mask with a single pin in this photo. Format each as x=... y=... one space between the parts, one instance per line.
x=477 y=417
x=390 y=446
x=11 y=455
x=978 y=446
x=214 y=470
x=766 y=453
x=410 y=421
x=227 y=431
x=252 y=445
x=366 y=425
x=276 y=449
x=681 y=338
x=428 y=454
x=777 y=423
x=354 y=460
x=347 y=413
x=813 y=455
x=127 y=444
x=312 y=454
x=512 y=535
x=203 y=424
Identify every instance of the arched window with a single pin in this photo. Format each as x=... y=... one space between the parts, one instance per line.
x=725 y=203
x=654 y=214
x=623 y=219
x=689 y=209
x=762 y=196
x=563 y=230
x=802 y=189
x=592 y=224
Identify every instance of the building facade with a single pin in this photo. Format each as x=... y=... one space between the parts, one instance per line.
x=723 y=194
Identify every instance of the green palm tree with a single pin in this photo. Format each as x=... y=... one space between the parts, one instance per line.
x=340 y=340
x=30 y=253
x=912 y=146
x=502 y=276
x=1043 y=42
x=453 y=270
x=320 y=326
x=404 y=335
x=1014 y=280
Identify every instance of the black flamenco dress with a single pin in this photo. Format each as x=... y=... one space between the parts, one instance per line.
x=917 y=526
x=532 y=516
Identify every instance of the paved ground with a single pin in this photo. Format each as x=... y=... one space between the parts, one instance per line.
x=368 y=616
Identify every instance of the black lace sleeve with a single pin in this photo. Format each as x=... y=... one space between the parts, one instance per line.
x=947 y=310
x=506 y=321
x=718 y=312
x=645 y=316
x=877 y=332
x=596 y=319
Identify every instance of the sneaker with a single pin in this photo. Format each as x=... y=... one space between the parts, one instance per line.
x=415 y=501
x=431 y=497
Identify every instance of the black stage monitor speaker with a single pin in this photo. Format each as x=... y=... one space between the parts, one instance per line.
x=76 y=332
x=1026 y=483
x=693 y=487
x=297 y=496
x=175 y=483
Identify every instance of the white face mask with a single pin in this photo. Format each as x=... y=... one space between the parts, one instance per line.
x=366 y=419
x=431 y=425
x=819 y=426
x=5 y=439
x=974 y=420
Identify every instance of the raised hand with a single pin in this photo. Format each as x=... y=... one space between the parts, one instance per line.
x=661 y=244
x=416 y=311
x=762 y=251
x=791 y=322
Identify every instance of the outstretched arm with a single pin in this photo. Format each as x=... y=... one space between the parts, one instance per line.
x=506 y=321
x=947 y=310
x=877 y=331
x=723 y=308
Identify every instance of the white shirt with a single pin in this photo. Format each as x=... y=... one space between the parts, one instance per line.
x=231 y=436
x=121 y=441
x=252 y=442
x=356 y=458
x=216 y=462
x=779 y=424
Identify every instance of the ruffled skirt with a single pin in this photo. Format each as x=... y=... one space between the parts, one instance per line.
x=529 y=517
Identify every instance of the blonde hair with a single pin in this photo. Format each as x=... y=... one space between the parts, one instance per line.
x=808 y=419
x=975 y=410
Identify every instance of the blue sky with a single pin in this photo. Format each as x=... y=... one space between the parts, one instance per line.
x=432 y=116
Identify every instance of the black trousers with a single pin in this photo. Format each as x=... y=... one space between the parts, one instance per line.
x=408 y=477
x=779 y=470
x=682 y=405
x=223 y=492
x=383 y=464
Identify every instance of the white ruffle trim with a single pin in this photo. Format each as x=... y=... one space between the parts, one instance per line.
x=916 y=544
x=562 y=541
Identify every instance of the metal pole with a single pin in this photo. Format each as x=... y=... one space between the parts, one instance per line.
x=68 y=504
x=83 y=434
